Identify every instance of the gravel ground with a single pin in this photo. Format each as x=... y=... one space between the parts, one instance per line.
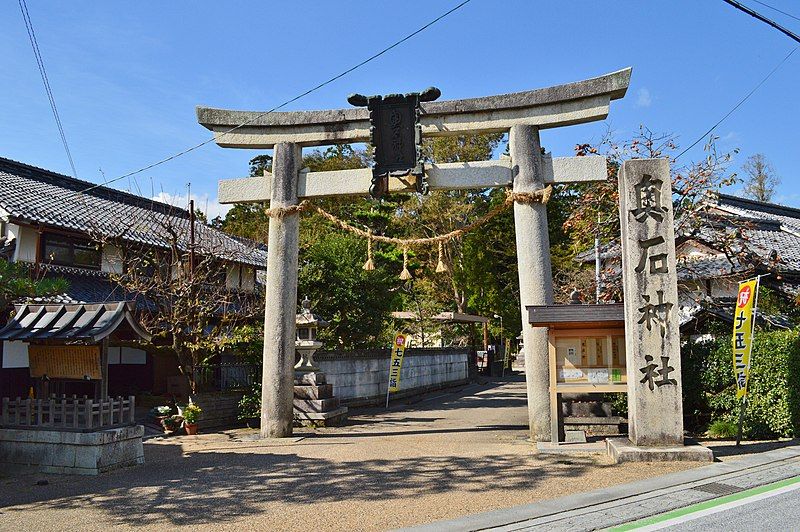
x=448 y=455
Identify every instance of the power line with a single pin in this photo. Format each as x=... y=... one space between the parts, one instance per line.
x=26 y=17
x=287 y=102
x=776 y=9
x=735 y=107
x=762 y=18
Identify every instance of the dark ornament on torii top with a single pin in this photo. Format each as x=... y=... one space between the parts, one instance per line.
x=396 y=135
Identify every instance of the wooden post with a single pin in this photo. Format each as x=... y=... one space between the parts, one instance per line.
x=281 y=297
x=535 y=275
x=104 y=369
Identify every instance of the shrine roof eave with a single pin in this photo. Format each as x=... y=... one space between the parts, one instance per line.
x=577 y=316
x=79 y=323
x=572 y=103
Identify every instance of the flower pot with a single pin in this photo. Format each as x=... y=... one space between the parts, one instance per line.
x=191 y=428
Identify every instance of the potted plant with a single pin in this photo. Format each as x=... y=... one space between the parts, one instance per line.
x=171 y=424
x=191 y=413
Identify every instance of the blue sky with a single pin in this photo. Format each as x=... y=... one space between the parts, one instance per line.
x=127 y=76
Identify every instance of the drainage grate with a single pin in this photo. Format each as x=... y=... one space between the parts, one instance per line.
x=717 y=488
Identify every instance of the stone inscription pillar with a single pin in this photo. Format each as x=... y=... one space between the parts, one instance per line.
x=652 y=338
x=277 y=392
x=535 y=276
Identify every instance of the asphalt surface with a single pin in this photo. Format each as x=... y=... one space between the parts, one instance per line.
x=777 y=513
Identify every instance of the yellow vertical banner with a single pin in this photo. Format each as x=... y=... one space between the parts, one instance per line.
x=743 y=327
x=398 y=350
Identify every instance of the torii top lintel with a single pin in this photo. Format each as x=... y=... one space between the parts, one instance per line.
x=561 y=105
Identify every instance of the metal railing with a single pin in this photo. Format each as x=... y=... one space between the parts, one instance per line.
x=67 y=413
x=222 y=377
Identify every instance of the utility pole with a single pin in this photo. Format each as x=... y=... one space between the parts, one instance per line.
x=191 y=239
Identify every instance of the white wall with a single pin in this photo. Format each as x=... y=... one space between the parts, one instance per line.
x=15 y=354
x=126 y=355
x=27 y=240
x=112 y=259
x=232 y=276
x=248 y=278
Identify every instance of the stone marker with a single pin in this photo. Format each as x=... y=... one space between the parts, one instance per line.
x=650 y=284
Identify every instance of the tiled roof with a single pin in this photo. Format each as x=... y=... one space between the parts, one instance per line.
x=37 y=196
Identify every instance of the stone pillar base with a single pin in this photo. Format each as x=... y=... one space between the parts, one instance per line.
x=623 y=450
x=314 y=402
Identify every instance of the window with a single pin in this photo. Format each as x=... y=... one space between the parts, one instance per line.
x=70 y=251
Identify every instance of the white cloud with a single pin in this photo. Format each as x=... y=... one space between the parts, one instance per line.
x=643 y=98
x=210 y=206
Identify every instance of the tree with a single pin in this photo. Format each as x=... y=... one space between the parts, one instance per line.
x=761 y=180
x=183 y=296
x=19 y=281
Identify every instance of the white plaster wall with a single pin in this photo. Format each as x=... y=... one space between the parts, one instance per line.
x=111 y=259
x=27 y=241
x=15 y=354
x=232 y=276
x=363 y=378
x=126 y=355
x=248 y=278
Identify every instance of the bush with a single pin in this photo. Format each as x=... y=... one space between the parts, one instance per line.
x=773 y=408
x=250 y=403
x=722 y=429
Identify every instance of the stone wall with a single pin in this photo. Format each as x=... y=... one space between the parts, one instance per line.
x=220 y=409
x=361 y=377
x=73 y=453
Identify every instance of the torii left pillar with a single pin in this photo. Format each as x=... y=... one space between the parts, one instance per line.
x=277 y=381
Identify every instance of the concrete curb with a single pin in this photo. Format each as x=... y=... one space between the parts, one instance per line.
x=615 y=494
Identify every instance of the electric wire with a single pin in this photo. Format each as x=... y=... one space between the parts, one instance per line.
x=287 y=102
x=26 y=17
x=735 y=107
x=776 y=9
x=762 y=18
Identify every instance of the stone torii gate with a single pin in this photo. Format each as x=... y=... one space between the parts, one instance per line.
x=521 y=114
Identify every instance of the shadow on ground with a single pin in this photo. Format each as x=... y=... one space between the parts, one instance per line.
x=214 y=487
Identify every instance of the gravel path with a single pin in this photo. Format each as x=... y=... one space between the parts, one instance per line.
x=451 y=454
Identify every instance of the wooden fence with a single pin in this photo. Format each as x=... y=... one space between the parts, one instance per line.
x=67 y=413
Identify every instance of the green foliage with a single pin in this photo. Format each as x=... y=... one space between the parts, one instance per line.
x=773 y=407
x=722 y=428
x=250 y=403
x=17 y=281
x=192 y=413
x=355 y=302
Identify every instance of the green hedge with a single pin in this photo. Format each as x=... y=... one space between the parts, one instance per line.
x=709 y=389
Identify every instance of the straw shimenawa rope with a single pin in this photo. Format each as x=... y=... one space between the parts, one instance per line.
x=540 y=196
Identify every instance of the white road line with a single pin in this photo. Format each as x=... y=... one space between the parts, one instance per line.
x=721 y=508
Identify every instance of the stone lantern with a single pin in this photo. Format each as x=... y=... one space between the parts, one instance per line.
x=306 y=342
x=314 y=402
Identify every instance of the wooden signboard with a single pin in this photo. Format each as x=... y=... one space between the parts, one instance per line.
x=76 y=362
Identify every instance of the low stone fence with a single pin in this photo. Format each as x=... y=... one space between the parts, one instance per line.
x=70 y=435
x=361 y=377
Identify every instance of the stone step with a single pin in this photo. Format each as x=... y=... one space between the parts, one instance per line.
x=323 y=391
x=316 y=405
x=332 y=418
x=314 y=378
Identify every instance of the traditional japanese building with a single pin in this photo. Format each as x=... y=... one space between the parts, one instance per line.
x=759 y=238
x=61 y=227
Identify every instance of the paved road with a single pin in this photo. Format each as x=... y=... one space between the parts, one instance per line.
x=774 y=507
